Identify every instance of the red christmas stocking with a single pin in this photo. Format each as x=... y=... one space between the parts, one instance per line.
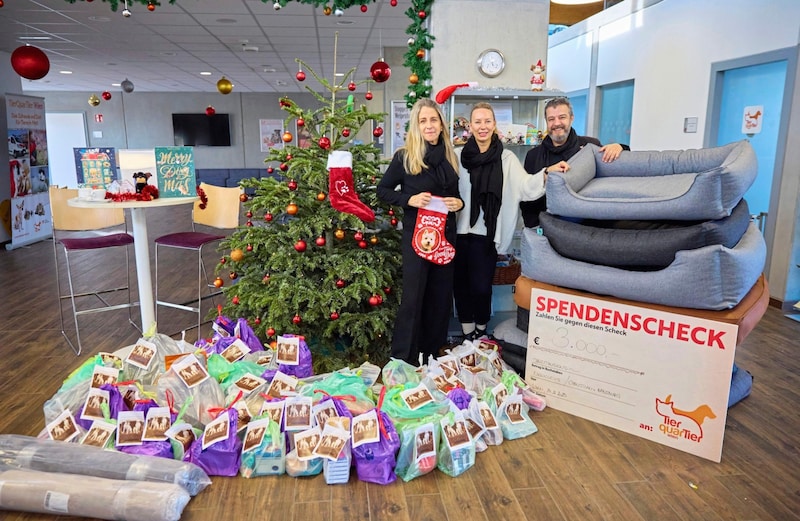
x=429 y=241
x=342 y=190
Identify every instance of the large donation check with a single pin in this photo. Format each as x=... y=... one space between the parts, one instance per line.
x=662 y=376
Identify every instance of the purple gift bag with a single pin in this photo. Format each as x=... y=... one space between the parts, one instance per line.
x=221 y=458
x=375 y=461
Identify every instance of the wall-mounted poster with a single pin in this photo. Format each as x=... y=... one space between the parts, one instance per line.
x=271 y=131
x=24 y=201
x=175 y=173
x=96 y=167
x=400 y=115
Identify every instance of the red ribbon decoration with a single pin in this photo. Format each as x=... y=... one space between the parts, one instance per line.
x=216 y=411
x=348 y=397
x=170 y=401
x=380 y=416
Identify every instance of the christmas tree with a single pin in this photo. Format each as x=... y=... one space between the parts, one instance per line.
x=319 y=255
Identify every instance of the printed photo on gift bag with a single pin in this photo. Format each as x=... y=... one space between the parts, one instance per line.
x=190 y=371
x=110 y=359
x=298 y=413
x=255 y=434
x=323 y=411
x=331 y=443
x=499 y=392
x=281 y=385
x=274 y=409
x=248 y=382
x=157 y=422
x=235 y=351
x=514 y=410
x=63 y=428
x=365 y=428
x=288 y=351
x=130 y=393
x=130 y=428
x=142 y=354
x=449 y=365
x=424 y=442
x=243 y=415
x=474 y=429
x=416 y=397
x=487 y=415
x=92 y=407
x=457 y=434
x=104 y=375
x=264 y=357
x=99 y=433
x=216 y=431
x=305 y=442
x=182 y=433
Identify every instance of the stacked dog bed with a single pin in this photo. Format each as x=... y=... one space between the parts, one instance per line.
x=664 y=228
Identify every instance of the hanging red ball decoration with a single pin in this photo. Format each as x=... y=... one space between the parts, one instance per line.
x=265 y=278
x=288 y=157
x=257 y=320
x=363 y=8
x=292 y=185
x=301 y=122
x=270 y=332
x=324 y=143
x=210 y=111
x=249 y=247
x=362 y=245
x=393 y=3
x=393 y=222
x=300 y=246
x=268 y=217
x=296 y=320
x=334 y=316
x=358 y=236
x=387 y=290
x=270 y=170
x=320 y=241
x=235 y=300
x=301 y=76
x=249 y=223
x=2 y=3
x=380 y=71
x=106 y=95
x=351 y=86
x=284 y=167
x=368 y=95
x=151 y=7
x=422 y=14
x=373 y=301
x=345 y=132
x=340 y=283
x=30 y=62
x=249 y=214
x=378 y=132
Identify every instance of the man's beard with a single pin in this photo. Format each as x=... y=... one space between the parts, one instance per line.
x=560 y=140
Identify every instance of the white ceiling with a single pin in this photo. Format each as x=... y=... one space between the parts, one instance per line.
x=165 y=50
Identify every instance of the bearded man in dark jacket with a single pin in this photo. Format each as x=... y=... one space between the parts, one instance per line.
x=556 y=149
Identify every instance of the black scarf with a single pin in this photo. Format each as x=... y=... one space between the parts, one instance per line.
x=565 y=151
x=486 y=176
x=438 y=165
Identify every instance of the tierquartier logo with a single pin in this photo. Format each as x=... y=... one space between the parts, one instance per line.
x=682 y=424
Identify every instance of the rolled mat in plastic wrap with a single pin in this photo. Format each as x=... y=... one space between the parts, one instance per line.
x=88 y=496
x=25 y=452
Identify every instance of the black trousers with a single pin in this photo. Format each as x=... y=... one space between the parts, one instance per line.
x=424 y=314
x=476 y=258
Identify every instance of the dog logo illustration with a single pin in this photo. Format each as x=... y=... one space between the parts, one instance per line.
x=679 y=423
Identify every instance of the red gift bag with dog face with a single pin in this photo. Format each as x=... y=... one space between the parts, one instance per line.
x=429 y=241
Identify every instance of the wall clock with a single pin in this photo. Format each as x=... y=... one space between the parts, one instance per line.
x=491 y=63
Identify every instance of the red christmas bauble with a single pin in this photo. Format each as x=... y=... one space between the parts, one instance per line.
x=270 y=332
x=387 y=290
x=249 y=247
x=296 y=319
x=292 y=185
x=268 y=217
x=284 y=167
x=351 y=86
x=378 y=132
x=362 y=245
x=340 y=283
x=373 y=301
x=300 y=246
x=289 y=157
x=301 y=76
x=106 y=95
x=257 y=321
x=287 y=137
x=30 y=62
x=270 y=170
x=235 y=300
x=368 y=95
x=223 y=260
x=358 y=236
x=380 y=71
x=363 y=8
x=265 y=278
x=248 y=223
x=390 y=212
x=243 y=198
x=249 y=214
x=300 y=122
x=346 y=132
x=334 y=316
x=422 y=14
x=320 y=241
x=393 y=222
x=324 y=143
x=393 y=3
x=151 y=7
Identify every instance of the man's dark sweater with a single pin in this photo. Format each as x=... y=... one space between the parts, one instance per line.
x=544 y=155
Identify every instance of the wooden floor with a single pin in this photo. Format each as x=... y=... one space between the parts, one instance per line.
x=572 y=469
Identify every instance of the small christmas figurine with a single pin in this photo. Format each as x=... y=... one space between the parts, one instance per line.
x=141 y=180
x=537 y=80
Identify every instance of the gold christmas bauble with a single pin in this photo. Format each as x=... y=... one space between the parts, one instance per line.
x=94 y=100
x=224 y=85
x=237 y=255
x=413 y=79
x=339 y=233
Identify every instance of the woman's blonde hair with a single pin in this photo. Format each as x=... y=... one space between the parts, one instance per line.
x=414 y=160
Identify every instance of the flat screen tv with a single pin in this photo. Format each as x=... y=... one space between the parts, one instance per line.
x=201 y=130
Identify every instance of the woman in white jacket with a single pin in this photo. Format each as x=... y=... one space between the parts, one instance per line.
x=492 y=183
